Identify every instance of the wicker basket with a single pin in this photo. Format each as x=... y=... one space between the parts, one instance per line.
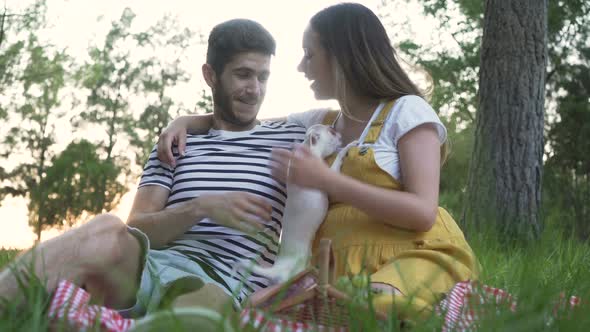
x=310 y=298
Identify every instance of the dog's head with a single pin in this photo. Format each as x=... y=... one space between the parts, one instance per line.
x=322 y=140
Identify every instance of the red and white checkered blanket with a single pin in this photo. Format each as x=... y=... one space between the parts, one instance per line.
x=70 y=303
x=461 y=309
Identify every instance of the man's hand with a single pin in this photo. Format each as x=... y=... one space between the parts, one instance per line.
x=240 y=210
x=244 y=211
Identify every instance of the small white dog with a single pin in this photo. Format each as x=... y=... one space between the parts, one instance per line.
x=304 y=213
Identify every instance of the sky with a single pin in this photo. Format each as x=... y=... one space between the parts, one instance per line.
x=74 y=25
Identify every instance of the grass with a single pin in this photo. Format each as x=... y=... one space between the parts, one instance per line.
x=534 y=274
x=6 y=255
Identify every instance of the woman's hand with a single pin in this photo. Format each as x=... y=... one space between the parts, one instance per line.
x=240 y=210
x=300 y=167
x=174 y=133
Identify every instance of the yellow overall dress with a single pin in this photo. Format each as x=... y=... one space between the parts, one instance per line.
x=423 y=266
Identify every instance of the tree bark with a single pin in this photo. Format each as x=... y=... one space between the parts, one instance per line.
x=2 y=22
x=504 y=186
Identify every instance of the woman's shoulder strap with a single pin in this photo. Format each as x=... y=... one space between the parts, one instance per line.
x=330 y=117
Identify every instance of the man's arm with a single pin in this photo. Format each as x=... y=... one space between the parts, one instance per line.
x=161 y=225
x=240 y=210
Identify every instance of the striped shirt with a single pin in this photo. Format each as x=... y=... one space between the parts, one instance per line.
x=225 y=161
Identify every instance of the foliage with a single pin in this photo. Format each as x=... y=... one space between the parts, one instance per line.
x=206 y=102
x=454 y=172
x=122 y=69
x=42 y=80
x=12 y=42
x=12 y=45
x=29 y=312
x=7 y=255
x=70 y=186
x=111 y=79
x=119 y=73
x=129 y=69
x=454 y=71
x=567 y=170
x=534 y=274
x=157 y=77
x=8 y=59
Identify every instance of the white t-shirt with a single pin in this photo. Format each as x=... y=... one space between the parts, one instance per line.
x=408 y=113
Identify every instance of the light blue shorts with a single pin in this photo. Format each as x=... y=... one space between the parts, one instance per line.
x=162 y=269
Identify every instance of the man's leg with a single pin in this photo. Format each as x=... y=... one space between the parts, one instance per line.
x=209 y=296
x=101 y=256
x=207 y=309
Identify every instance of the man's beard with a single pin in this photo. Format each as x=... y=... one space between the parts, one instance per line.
x=223 y=101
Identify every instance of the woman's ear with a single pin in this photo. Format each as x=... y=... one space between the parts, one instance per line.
x=209 y=75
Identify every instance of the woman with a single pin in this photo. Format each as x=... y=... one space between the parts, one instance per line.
x=384 y=218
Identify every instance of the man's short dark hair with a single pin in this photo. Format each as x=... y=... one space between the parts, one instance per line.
x=236 y=36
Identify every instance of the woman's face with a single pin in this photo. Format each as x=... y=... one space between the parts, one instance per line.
x=316 y=64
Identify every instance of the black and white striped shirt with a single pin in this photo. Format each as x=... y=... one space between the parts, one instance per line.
x=225 y=161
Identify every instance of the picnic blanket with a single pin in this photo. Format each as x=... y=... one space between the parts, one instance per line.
x=460 y=310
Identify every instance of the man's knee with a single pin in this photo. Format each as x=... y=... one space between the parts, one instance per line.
x=112 y=272
x=105 y=222
x=107 y=236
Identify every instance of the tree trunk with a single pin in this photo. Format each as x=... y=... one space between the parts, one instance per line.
x=504 y=186
x=2 y=22
x=38 y=232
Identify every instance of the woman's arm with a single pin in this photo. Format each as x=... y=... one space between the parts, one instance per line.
x=176 y=131
x=414 y=208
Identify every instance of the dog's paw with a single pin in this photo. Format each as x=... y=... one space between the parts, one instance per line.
x=276 y=274
x=280 y=272
x=279 y=277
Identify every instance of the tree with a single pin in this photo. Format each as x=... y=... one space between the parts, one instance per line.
x=42 y=80
x=135 y=66
x=454 y=67
x=504 y=185
x=70 y=185
x=13 y=26
x=157 y=77
x=567 y=169
x=111 y=79
x=568 y=163
x=8 y=57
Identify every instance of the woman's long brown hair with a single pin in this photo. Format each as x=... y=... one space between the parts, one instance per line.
x=366 y=63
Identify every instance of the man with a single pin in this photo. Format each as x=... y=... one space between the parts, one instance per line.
x=189 y=224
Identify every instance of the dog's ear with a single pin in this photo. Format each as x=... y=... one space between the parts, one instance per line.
x=314 y=139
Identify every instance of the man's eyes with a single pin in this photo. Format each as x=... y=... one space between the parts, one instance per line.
x=249 y=74
x=243 y=74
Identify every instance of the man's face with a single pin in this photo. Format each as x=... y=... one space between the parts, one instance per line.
x=239 y=90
